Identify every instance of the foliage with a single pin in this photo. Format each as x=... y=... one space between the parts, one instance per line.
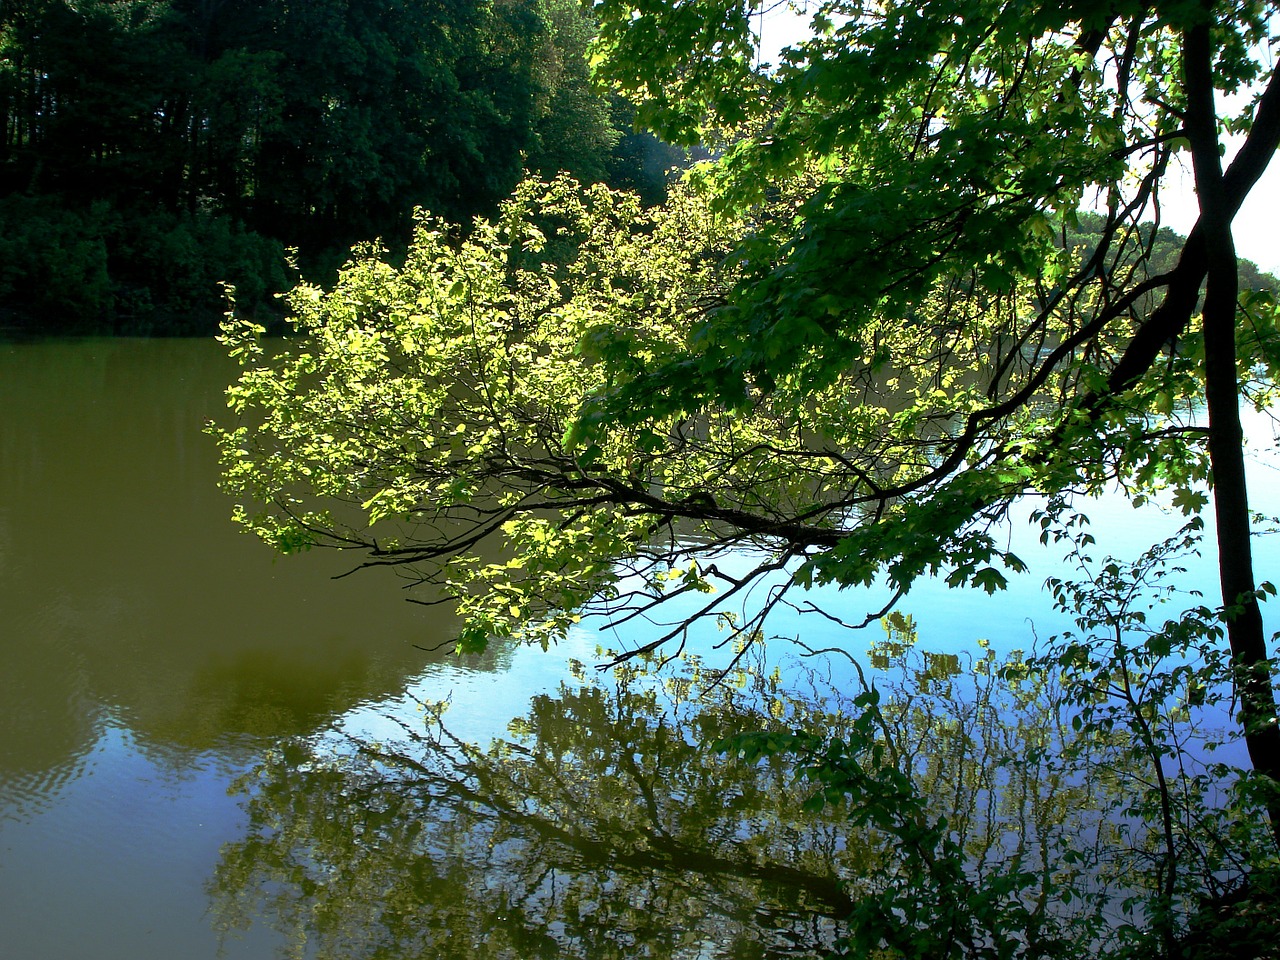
x=954 y=146
x=575 y=130
x=1154 y=252
x=641 y=161
x=1112 y=732
x=180 y=264
x=268 y=124
x=93 y=269
x=840 y=357
x=835 y=357
x=1192 y=823
x=469 y=355
x=55 y=258
x=479 y=357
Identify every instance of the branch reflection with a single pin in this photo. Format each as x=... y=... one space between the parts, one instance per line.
x=598 y=829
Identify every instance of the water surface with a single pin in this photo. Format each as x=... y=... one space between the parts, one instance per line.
x=176 y=704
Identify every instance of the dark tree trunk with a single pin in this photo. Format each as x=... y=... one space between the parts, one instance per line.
x=1226 y=437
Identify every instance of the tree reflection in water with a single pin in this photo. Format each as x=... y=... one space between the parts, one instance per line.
x=599 y=828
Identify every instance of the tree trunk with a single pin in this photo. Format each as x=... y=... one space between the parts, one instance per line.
x=1226 y=437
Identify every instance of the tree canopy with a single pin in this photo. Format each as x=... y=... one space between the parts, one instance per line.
x=839 y=352
x=152 y=148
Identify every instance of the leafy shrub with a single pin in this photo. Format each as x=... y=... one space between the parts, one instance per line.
x=97 y=269
x=53 y=261
x=180 y=262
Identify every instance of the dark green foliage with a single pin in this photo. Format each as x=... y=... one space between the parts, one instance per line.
x=152 y=148
x=1152 y=251
x=54 y=261
x=574 y=131
x=641 y=162
x=93 y=269
x=175 y=266
x=1242 y=922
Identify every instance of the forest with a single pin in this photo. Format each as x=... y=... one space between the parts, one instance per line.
x=155 y=149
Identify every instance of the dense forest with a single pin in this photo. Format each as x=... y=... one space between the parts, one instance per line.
x=155 y=148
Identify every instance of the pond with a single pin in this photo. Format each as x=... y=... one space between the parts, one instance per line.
x=190 y=728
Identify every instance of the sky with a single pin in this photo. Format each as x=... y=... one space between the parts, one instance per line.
x=1256 y=227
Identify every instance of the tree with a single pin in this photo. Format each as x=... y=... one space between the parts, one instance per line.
x=575 y=131
x=166 y=133
x=958 y=140
x=845 y=354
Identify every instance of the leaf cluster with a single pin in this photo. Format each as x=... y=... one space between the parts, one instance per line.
x=446 y=417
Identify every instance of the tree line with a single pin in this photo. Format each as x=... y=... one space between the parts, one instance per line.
x=154 y=148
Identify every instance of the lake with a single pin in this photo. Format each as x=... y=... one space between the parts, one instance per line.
x=190 y=727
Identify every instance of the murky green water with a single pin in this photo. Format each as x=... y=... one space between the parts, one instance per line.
x=208 y=752
x=148 y=649
x=150 y=654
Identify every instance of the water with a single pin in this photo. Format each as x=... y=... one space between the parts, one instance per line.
x=150 y=656
x=149 y=650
